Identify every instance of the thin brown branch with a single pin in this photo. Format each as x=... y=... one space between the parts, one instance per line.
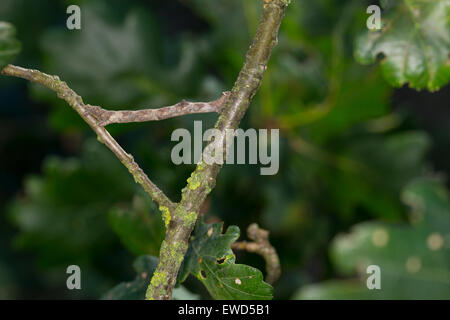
x=76 y=102
x=106 y=117
x=261 y=246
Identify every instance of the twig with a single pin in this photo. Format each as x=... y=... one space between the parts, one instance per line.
x=76 y=102
x=261 y=246
x=106 y=117
x=203 y=179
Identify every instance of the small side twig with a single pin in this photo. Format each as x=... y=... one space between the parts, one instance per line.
x=106 y=117
x=261 y=246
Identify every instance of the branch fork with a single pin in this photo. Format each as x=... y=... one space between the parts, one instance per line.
x=231 y=107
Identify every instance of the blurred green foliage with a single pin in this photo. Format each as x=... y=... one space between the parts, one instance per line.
x=9 y=46
x=414 y=259
x=140 y=228
x=351 y=145
x=145 y=266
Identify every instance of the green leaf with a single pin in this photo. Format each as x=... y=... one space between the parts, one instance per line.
x=414 y=258
x=140 y=228
x=414 y=43
x=211 y=260
x=9 y=45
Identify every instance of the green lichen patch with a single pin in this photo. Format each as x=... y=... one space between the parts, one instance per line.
x=190 y=218
x=194 y=181
x=158 y=279
x=165 y=215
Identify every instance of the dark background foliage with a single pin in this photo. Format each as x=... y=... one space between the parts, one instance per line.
x=350 y=145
